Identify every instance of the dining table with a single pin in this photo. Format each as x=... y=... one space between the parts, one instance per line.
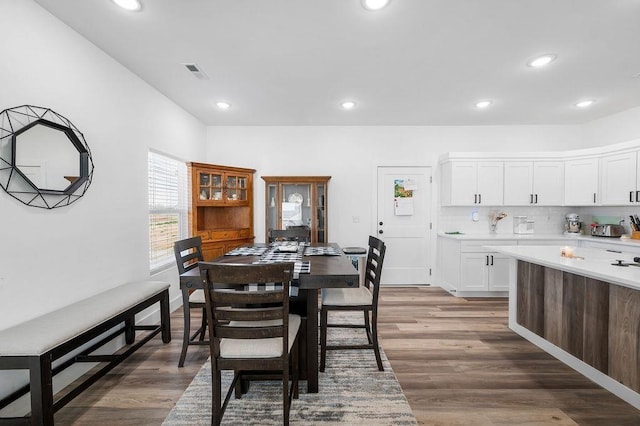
x=328 y=267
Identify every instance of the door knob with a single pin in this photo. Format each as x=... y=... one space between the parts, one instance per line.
x=381 y=223
x=381 y=232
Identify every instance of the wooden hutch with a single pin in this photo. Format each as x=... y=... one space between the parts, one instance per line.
x=221 y=209
x=297 y=201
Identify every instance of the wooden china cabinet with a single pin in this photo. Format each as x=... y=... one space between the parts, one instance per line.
x=297 y=201
x=221 y=209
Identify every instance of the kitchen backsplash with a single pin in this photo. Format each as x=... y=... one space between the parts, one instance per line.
x=548 y=220
x=587 y=214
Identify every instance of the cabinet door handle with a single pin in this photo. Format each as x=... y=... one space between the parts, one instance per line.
x=637 y=196
x=487 y=260
x=631 y=196
x=480 y=198
x=530 y=198
x=491 y=260
x=536 y=199
x=475 y=198
x=594 y=198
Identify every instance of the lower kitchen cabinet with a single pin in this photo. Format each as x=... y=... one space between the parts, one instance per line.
x=484 y=271
x=468 y=268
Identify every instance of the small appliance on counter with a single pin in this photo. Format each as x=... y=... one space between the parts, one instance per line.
x=611 y=231
x=573 y=224
x=522 y=225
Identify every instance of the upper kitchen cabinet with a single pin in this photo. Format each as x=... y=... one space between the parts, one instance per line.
x=538 y=183
x=221 y=210
x=297 y=201
x=581 y=180
x=472 y=183
x=620 y=179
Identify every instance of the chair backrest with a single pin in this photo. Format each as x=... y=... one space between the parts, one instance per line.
x=188 y=253
x=301 y=234
x=234 y=304
x=373 y=268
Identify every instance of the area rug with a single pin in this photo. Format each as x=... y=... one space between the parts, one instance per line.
x=352 y=392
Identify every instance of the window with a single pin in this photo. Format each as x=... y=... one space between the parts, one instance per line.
x=167 y=208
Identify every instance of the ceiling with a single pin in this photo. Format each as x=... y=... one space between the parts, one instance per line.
x=416 y=62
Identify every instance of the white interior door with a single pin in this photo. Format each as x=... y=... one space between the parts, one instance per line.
x=403 y=220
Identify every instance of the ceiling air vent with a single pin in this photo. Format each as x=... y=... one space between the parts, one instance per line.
x=196 y=71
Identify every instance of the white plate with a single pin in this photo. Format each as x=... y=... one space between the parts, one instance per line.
x=296 y=198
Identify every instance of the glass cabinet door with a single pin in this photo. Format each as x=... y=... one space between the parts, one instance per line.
x=216 y=187
x=296 y=205
x=272 y=207
x=321 y=213
x=210 y=186
x=204 y=184
x=236 y=188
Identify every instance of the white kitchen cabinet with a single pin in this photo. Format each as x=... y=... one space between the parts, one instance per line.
x=610 y=246
x=472 y=183
x=469 y=268
x=581 y=180
x=619 y=184
x=484 y=271
x=533 y=183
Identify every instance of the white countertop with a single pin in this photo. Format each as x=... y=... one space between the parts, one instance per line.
x=541 y=237
x=496 y=236
x=597 y=263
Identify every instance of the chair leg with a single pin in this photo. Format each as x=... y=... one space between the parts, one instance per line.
x=285 y=395
x=203 y=326
x=216 y=404
x=296 y=367
x=323 y=338
x=376 y=347
x=187 y=332
x=367 y=326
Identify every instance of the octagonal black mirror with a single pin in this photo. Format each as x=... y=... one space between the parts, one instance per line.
x=44 y=159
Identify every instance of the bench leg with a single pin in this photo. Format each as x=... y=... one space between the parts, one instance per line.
x=41 y=382
x=165 y=318
x=130 y=330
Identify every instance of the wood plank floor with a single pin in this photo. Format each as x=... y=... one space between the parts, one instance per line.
x=456 y=360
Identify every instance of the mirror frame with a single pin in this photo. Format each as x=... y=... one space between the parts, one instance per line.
x=18 y=120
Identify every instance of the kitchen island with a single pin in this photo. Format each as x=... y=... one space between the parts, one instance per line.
x=582 y=310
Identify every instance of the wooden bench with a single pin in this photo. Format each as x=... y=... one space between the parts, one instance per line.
x=35 y=344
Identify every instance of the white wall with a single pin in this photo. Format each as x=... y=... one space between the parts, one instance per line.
x=351 y=154
x=50 y=258
x=620 y=127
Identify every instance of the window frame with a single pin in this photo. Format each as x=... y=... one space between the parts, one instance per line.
x=166 y=171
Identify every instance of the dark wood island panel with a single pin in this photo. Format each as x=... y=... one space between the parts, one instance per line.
x=624 y=336
x=573 y=312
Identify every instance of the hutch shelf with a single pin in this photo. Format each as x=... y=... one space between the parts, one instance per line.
x=297 y=201
x=221 y=209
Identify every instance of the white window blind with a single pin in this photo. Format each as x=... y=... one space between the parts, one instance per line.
x=168 y=195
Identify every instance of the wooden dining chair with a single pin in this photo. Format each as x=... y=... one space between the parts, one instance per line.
x=251 y=331
x=188 y=253
x=302 y=234
x=363 y=298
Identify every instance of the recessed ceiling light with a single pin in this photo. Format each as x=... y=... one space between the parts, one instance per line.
x=223 y=105
x=585 y=103
x=348 y=105
x=482 y=104
x=374 y=4
x=132 y=5
x=542 y=61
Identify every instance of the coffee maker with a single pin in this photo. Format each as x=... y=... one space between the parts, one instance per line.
x=573 y=224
